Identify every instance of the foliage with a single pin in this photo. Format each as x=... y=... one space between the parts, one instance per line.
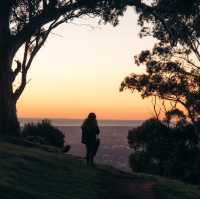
x=166 y=151
x=29 y=23
x=173 y=76
x=24 y=28
x=169 y=21
x=173 y=65
x=43 y=133
x=169 y=78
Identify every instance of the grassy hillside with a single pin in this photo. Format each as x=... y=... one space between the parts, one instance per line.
x=29 y=173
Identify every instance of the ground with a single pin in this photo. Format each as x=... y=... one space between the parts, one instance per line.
x=31 y=173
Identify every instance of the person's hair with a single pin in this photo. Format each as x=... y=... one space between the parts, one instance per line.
x=92 y=116
x=91 y=119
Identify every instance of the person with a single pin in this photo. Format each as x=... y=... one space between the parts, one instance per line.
x=90 y=132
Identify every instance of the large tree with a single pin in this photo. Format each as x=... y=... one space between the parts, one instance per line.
x=26 y=24
x=173 y=65
x=169 y=76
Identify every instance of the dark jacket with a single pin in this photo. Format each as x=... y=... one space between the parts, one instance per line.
x=90 y=130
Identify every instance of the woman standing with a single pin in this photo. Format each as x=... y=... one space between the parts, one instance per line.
x=90 y=131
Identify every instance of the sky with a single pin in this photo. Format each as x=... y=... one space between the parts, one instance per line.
x=80 y=68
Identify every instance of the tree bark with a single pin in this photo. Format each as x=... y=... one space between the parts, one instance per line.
x=9 y=124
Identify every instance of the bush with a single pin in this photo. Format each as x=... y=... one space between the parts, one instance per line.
x=140 y=162
x=43 y=133
x=166 y=151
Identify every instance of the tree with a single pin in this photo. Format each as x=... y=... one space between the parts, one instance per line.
x=26 y=24
x=169 y=78
x=167 y=151
x=172 y=74
x=173 y=65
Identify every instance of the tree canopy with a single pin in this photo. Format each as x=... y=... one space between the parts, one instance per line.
x=26 y=25
x=29 y=22
x=173 y=65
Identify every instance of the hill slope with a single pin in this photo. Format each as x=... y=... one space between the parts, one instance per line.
x=29 y=173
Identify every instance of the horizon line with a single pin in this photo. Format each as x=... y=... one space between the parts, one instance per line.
x=60 y=118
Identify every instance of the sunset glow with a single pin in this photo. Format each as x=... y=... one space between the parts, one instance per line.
x=80 y=69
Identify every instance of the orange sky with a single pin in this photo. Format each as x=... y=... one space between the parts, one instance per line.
x=81 y=70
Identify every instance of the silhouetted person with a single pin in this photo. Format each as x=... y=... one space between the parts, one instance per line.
x=90 y=131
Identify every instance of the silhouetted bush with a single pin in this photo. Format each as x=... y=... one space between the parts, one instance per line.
x=166 y=151
x=43 y=133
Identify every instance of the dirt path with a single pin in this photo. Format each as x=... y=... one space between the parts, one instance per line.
x=127 y=186
x=130 y=189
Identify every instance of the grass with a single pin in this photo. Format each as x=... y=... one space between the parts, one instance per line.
x=169 y=189
x=29 y=173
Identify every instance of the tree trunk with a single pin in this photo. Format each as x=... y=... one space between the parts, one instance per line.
x=9 y=124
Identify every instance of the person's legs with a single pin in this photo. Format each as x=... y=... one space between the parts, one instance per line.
x=91 y=150
x=93 y=153
x=87 y=153
x=96 y=146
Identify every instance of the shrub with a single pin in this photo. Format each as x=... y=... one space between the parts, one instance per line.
x=166 y=151
x=43 y=133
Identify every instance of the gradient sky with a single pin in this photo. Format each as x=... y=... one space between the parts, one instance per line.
x=80 y=69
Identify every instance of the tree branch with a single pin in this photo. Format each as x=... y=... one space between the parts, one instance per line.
x=27 y=63
x=48 y=15
x=16 y=71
